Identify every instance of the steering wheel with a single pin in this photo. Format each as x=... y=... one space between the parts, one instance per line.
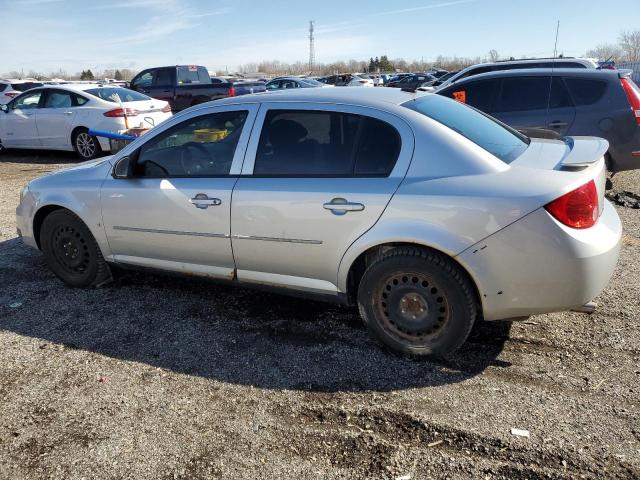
x=199 y=165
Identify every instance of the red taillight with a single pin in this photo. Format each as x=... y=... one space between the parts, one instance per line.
x=121 y=112
x=578 y=208
x=167 y=108
x=12 y=94
x=633 y=95
x=232 y=92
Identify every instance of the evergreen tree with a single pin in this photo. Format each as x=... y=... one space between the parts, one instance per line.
x=117 y=75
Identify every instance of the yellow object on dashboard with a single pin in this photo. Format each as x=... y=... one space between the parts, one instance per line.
x=207 y=135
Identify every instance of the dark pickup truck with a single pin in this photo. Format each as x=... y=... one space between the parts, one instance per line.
x=186 y=85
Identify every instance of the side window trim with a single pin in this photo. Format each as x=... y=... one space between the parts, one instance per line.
x=407 y=139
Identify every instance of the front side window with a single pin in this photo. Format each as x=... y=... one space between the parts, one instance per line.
x=203 y=146
x=479 y=94
x=145 y=80
x=28 y=101
x=320 y=143
x=496 y=138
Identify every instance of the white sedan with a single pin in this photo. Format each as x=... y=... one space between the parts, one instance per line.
x=59 y=117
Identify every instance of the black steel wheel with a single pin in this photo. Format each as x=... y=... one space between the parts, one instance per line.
x=71 y=250
x=417 y=302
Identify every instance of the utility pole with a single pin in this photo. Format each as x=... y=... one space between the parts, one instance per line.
x=312 y=47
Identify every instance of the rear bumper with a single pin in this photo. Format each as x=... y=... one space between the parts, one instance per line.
x=627 y=156
x=537 y=265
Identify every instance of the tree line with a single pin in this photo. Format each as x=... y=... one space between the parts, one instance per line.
x=626 y=50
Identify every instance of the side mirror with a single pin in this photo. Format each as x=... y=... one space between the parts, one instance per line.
x=124 y=168
x=4 y=108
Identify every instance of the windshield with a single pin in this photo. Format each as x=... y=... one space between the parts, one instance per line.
x=496 y=138
x=126 y=95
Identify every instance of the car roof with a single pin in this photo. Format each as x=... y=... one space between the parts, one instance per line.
x=539 y=72
x=584 y=61
x=367 y=97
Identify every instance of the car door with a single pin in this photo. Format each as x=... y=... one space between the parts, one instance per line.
x=19 y=127
x=161 y=87
x=172 y=211
x=525 y=103
x=55 y=118
x=315 y=179
x=479 y=94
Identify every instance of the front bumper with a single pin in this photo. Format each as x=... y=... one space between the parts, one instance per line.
x=537 y=265
x=24 y=220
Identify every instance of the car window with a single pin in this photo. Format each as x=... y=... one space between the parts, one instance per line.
x=164 y=77
x=559 y=97
x=109 y=94
x=498 y=139
x=27 y=101
x=585 y=91
x=287 y=84
x=58 y=99
x=479 y=94
x=522 y=94
x=145 y=80
x=24 y=86
x=273 y=85
x=320 y=143
x=79 y=99
x=3 y=87
x=190 y=74
x=203 y=146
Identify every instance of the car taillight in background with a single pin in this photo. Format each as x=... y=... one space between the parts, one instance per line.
x=633 y=95
x=121 y=112
x=577 y=209
x=232 y=92
x=12 y=94
x=167 y=108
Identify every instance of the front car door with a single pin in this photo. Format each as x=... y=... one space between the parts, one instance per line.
x=315 y=178
x=173 y=213
x=18 y=125
x=55 y=118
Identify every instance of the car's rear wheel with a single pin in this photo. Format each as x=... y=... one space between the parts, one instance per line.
x=71 y=251
x=417 y=302
x=85 y=145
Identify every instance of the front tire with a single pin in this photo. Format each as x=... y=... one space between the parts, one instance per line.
x=86 y=146
x=71 y=251
x=417 y=302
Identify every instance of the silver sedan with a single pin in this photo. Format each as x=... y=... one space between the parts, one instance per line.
x=425 y=213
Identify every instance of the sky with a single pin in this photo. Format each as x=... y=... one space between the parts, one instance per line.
x=48 y=35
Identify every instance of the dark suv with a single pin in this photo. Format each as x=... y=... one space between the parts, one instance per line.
x=553 y=103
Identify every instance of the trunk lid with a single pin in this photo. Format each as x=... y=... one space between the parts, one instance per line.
x=150 y=113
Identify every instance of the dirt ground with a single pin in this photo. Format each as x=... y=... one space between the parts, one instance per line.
x=163 y=378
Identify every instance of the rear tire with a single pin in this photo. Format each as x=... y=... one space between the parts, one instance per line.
x=71 y=251
x=86 y=146
x=417 y=302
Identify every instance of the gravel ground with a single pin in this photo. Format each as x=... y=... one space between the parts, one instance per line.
x=157 y=377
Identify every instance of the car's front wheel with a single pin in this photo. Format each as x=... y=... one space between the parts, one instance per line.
x=86 y=146
x=71 y=251
x=417 y=302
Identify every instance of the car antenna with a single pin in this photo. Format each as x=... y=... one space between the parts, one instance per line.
x=553 y=64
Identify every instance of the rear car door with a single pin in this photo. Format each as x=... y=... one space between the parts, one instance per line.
x=162 y=86
x=173 y=210
x=55 y=119
x=479 y=94
x=525 y=103
x=19 y=127
x=315 y=178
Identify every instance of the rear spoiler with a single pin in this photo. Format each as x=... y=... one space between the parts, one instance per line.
x=584 y=153
x=624 y=73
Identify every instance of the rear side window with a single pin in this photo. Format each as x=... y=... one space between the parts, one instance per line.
x=585 y=91
x=23 y=87
x=479 y=94
x=499 y=140
x=164 y=77
x=318 y=143
x=523 y=93
x=58 y=99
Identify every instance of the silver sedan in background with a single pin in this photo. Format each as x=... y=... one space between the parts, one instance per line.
x=427 y=214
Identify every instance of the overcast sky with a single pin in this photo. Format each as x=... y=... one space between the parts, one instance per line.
x=45 y=35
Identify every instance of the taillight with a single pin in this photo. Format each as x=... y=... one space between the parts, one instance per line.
x=578 y=208
x=232 y=92
x=121 y=112
x=12 y=94
x=167 y=108
x=633 y=95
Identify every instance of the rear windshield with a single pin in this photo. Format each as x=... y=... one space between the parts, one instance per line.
x=311 y=82
x=23 y=87
x=496 y=138
x=126 y=95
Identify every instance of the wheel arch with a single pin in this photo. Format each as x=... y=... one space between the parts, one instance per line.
x=75 y=131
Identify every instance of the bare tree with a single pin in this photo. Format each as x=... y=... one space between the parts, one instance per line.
x=630 y=44
x=493 y=55
x=606 y=52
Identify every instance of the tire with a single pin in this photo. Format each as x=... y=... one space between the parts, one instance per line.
x=71 y=251
x=417 y=302
x=86 y=146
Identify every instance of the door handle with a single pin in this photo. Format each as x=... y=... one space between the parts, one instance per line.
x=340 y=206
x=203 y=201
x=68 y=113
x=557 y=123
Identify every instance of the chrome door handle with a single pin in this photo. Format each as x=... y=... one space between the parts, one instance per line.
x=557 y=123
x=203 y=201
x=68 y=113
x=340 y=206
